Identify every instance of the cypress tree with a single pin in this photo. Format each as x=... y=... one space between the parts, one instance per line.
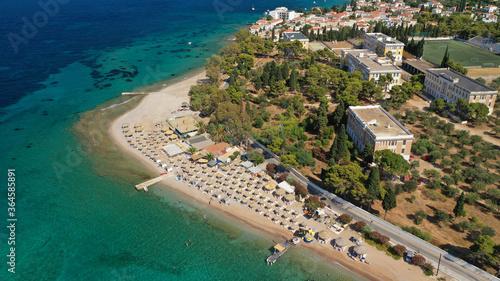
x=446 y=58
x=420 y=48
x=294 y=83
x=338 y=115
x=258 y=83
x=367 y=154
x=339 y=149
x=373 y=185
x=389 y=201
x=459 y=209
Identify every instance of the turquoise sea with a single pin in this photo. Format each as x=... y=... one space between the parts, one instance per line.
x=78 y=220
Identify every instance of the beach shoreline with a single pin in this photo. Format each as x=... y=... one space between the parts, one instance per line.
x=161 y=105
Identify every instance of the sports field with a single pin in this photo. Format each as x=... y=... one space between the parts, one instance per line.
x=460 y=52
x=316 y=46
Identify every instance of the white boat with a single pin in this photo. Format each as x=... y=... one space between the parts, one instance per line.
x=253 y=8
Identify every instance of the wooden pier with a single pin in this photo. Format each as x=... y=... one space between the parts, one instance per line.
x=146 y=184
x=279 y=250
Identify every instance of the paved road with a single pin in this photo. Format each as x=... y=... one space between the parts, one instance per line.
x=451 y=265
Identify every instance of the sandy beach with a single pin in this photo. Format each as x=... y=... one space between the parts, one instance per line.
x=163 y=104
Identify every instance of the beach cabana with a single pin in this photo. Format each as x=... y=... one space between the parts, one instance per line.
x=255 y=170
x=324 y=236
x=360 y=251
x=212 y=163
x=172 y=150
x=247 y=164
x=286 y=187
x=341 y=243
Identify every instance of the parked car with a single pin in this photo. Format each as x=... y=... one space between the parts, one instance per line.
x=419 y=181
x=409 y=256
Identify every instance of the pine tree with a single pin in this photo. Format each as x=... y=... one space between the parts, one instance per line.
x=373 y=186
x=446 y=58
x=389 y=201
x=367 y=154
x=459 y=209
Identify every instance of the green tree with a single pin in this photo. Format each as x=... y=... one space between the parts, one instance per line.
x=338 y=115
x=367 y=154
x=420 y=216
x=441 y=216
x=346 y=179
x=389 y=201
x=446 y=58
x=339 y=150
x=245 y=60
x=459 y=209
x=294 y=83
x=213 y=67
x=482 y=248
x=391 y=162
x=373 y=186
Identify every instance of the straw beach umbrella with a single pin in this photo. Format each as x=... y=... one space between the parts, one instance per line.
x=270 y=186
x=324 y=235
x=341 y=242
x=360 y=250
x=280 y=192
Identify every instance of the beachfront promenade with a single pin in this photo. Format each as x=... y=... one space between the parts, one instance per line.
x=451 y=265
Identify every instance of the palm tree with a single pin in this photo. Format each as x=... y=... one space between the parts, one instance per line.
x=210 y=156
x=219 y=132
x=192 y=149
x=201 y=126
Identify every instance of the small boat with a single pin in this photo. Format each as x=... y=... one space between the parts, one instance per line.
x=295 y=240
x=253 y=8
x=190 y=43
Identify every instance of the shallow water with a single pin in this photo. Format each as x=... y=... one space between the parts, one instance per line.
x=79 y=217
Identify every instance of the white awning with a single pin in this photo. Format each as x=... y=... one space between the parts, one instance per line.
x=172 y=150
x=247 y=164
x=255 y=170
x=286 y=187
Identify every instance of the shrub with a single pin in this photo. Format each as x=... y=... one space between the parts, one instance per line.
x=410 y=186
x=399 y=249
x=345 y=218
x=283 y=177
x=488 y=230
x=428 y=269
x=418 y=260
x=417 y=232
x=359 y=225
x=258 y=122
x=383 y=239
x=290 y=179
x=375 y=235
x=272 y=168
x=471 y=198
x=366 y=229
x=420 y=216
x=464 y=226
x=441 y=216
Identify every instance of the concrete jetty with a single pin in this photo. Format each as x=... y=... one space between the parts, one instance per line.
x=279 y=250
x=146 y=184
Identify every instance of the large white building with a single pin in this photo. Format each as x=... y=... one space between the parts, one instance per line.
x=371 y=66
x=296 y=36
x=283 y=13
x=385 y=43
x=450 y=85
x=372 y=124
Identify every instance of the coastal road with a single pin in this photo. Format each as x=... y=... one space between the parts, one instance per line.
x=451 y=265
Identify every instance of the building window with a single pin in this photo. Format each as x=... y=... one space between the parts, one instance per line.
x=403 y=151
